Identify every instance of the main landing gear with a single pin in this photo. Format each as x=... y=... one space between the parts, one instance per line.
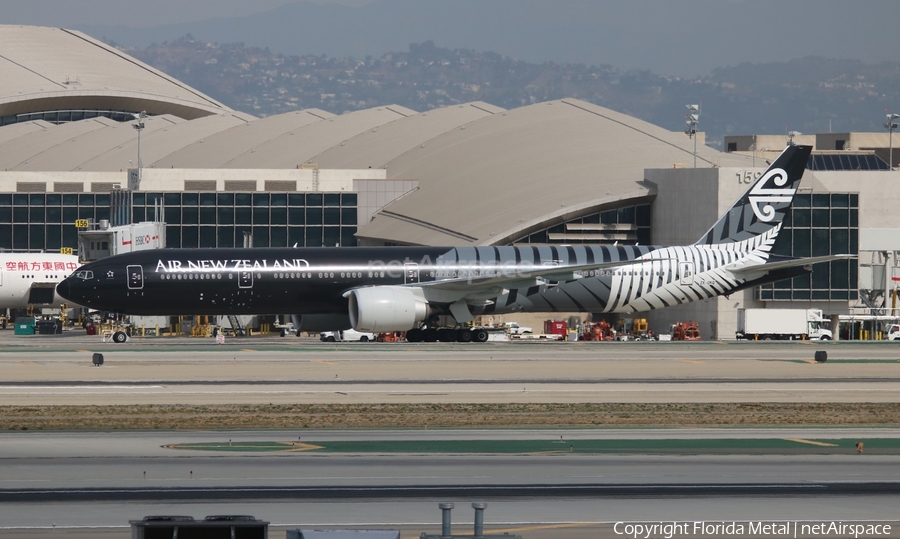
x=447 y=335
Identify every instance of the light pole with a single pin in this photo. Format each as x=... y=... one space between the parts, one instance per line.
x=753 y=148
x=693 y=118
x=139 y=126
x=890 y=127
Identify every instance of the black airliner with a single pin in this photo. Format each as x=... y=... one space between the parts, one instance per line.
x=378 y=289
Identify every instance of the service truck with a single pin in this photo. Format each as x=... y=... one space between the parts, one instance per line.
x=515 y=329
x=893 y=333
x=346 y=335
x=782 y=324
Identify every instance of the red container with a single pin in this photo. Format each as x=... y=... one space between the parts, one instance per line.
x=555 y=327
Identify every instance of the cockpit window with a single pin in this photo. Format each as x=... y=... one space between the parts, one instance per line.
x=83 y=274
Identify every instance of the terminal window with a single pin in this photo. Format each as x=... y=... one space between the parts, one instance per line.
x=628 y=225
x=819 y=225
x=46 y=221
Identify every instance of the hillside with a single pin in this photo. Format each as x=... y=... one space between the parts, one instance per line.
x=808 y=95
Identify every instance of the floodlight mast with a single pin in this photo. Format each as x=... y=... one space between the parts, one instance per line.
x=753 y=149
x=693 y=119
x=891 y=125
x=139 y=126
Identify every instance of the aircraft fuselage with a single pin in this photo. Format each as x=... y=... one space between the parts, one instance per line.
x=31 y=278
x=314 y=280
x=379 y=289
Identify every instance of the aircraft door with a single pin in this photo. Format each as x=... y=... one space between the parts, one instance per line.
x=686 y=270
x=245 y=279
x=550 y=264
x=410 y=273
x=135 y=277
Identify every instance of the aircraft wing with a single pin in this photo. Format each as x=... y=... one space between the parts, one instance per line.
x=459 y=293
x=779 y=263
x=518 y=277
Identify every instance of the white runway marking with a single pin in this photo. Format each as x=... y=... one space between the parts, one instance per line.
x=55 y=391
x=56 y=388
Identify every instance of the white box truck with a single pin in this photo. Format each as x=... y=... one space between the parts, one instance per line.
x=893 y=333
x=782 y=324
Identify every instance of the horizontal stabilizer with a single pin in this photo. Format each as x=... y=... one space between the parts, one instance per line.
x=780 y=263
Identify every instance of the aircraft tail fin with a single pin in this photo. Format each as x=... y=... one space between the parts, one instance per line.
x=765 y=204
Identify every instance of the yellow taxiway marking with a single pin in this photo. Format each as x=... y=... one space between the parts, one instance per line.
x=288 y=446
x=25 y=362
x=84 y=351
x=298 y=446
x=695 y=361
x=811 y=442
x=321 y=362
x=247 y=350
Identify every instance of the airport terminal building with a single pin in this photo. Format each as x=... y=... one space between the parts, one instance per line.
x=73 y=138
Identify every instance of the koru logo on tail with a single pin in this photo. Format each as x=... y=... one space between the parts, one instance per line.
x=760 y=194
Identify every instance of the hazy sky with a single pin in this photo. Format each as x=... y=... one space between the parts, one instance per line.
x=66 y=13
x=672 y=37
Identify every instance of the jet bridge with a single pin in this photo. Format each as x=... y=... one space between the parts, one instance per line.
x=117 y=235
x=879 y=279
x=100 y=240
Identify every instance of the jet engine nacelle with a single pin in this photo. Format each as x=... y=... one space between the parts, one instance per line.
x=387 y=308
x=321 y=322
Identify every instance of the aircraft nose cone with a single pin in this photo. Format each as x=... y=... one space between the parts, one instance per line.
x=64 y=289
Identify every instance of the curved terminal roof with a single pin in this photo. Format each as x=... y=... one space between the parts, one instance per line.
x=377 y=147
x=72 y=145
x=508 y=174
x=299 y=145
x=162 y=136
x=45 y=69
x=14 y=131
x=218 y=149
x=485 y=175
x=102 y=145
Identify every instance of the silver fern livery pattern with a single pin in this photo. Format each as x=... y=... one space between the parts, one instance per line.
x=375 y=289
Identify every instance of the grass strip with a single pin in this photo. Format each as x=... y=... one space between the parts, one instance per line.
x=301 y=416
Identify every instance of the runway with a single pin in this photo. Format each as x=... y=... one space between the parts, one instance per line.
x=89 y=484
x=102 y=483
x=86 y=479
x=497 y=392
x=290 y=370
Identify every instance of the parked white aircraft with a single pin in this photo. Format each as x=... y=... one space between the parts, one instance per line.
x=31 y=278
